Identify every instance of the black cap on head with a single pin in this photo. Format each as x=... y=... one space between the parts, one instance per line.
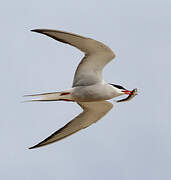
x=118 y=86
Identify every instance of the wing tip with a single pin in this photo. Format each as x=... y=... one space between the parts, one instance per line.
x=36 y=146
x=42 y=30
x=31 y=147
x=37 y=30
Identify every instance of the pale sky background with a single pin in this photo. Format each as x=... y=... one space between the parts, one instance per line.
x=133 y=141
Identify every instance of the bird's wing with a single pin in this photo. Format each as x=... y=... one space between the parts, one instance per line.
x=97 y=55
x=92 y=112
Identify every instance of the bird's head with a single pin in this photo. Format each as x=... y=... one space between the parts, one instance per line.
x=121 y=89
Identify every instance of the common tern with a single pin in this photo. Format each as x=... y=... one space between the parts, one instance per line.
x=89 y=90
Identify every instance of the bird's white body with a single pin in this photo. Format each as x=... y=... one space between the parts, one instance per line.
x=97 y=92
x=89 y=89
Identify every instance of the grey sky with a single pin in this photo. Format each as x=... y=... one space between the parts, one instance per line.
x=133 y=140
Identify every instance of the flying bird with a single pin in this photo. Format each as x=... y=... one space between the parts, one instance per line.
x=89 y=90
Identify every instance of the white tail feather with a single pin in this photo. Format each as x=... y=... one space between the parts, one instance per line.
x=55 y=96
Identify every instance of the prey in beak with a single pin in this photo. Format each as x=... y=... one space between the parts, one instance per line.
x=132 y=94
x=126 y=91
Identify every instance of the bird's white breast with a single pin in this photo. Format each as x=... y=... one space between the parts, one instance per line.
x=97 y=92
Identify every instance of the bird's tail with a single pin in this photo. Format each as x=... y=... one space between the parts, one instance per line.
x=54 y=96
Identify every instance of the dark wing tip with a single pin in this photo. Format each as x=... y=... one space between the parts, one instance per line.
x=31 y=147
x=37 y=30
x=42 y=143
x=36 y=146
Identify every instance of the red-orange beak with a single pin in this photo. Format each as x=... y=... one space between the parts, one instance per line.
x=127 y=91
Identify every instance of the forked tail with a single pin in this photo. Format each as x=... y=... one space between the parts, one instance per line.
x=54 y=96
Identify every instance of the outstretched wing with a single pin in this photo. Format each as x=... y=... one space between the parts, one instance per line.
x=97 y=55
x=92 y=112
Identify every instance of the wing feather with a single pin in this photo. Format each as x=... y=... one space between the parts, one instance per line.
x=92 y=112
x=97 y=55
